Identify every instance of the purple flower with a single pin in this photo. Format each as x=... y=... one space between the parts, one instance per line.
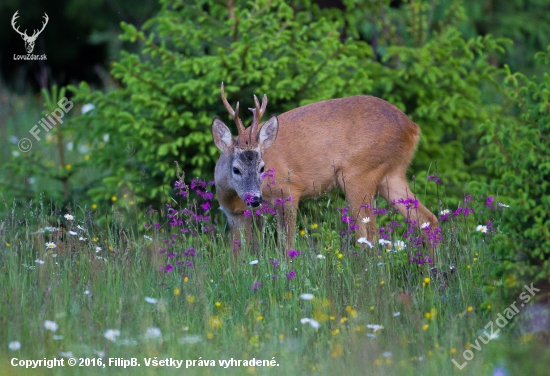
x=275 y=276
x=205 y=206
x=289 y=199
x=293 y=253
x=435 y=179
x=490 y=200
x=275 y=263
x=256 y=285
x=168 y=268
x=291 y=275
x=189 y=264
x=171 y=255
x=190 y=252
x=279 y=201
x=247 y=213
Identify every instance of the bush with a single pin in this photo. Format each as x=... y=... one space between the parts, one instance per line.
x=295 y=54
x=517 y=151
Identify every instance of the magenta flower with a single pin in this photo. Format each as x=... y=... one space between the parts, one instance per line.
x=291 y=275
x=256 y=285
x=190 y=252
x=490 y=200
x=247 y=213
x=293 y=253
x=168 y=268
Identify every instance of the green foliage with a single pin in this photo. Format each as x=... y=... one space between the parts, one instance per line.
x=517 y=151
x=297 y=55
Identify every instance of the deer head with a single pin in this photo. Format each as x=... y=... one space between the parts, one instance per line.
x=241 y=165
x=29 y=40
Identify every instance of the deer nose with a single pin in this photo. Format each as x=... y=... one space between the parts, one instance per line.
x=256 y=201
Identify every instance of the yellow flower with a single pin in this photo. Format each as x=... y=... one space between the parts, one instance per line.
x=340 y=255
x=110 y=248
x=94 y=206
x=428 y=315
x=348 y=308
x=209 y=335
x=86 y=157
x=259 y=318
x=68 y=167
x=177 y=291
x=331 y=318
x=335 y=332
x=218 y=304
x=8 y=244
x=95 y=240
x=470 y=309
x=468 y=266
x=388 y=360
x=371 y=308
x=281 y=337
x=113 y=199
x=425 y=327
x=378 y=362
x=488 y=306
x=468 y=345
x=185 y=279
x=288 y=295
x=426 y=280
x=430 y=353
x=337 y=350
x=453 y=351
x=314 y=226
x=343 y=319
x=215 y=322
x=190 y=299
x=382 y=282
x=475 y=259
x=302 y=232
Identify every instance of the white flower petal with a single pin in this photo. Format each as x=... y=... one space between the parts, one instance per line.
x=253 y=262
x=111 y=334
x=151 y=300
x=51 y=325
x=306 y=296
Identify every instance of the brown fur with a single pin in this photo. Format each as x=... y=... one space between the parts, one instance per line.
x=362 y=144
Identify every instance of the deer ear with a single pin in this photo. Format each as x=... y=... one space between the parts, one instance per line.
x=268 y=133
x=222 y=135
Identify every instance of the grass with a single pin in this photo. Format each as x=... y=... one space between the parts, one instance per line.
x=226 y=306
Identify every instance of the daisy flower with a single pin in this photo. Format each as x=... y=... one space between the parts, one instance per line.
x=69 y=217
x=50 y=325
x=111 y=334
x=50 y=245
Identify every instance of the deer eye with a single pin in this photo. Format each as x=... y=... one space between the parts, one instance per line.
x=262 y=170
x=236 y=171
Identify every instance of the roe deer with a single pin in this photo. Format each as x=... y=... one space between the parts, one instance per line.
x=362 y=144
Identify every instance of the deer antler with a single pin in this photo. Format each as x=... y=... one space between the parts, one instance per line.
x=258 y=112
x=234 y=113
x=43 y=26
x=15 y=16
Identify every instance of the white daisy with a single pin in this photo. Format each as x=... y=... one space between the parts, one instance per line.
x=50 y=325
x=14 y=345
x=481 y=228
x=50 y=245
x=395 y=314
x=111 y=334
x=69 y=217
x=151 y=300
x=38 y=261
x=152 y=333
x=253 y=262
x=148 y=238
x=400 y=245
x=444 y=212
x=366 y=220
x=365 y=241
x=375 y=327
x=425 y=225
x=321 y=257
x=306 y=296
x=73 y=233
x=314 y=323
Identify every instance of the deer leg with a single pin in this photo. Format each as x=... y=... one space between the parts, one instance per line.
x=359 y=191
x=286 y=223
x=394 y=187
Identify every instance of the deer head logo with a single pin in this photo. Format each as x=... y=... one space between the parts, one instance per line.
x=29 y=40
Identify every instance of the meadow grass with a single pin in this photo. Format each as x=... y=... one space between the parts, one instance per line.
x=141 y=288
